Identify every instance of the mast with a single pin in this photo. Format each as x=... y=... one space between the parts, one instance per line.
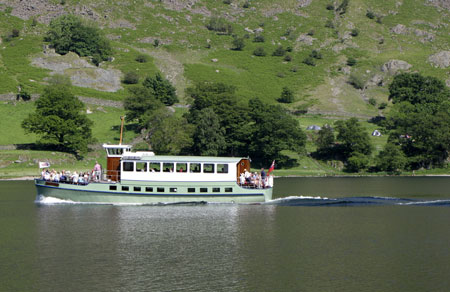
x=121 y=129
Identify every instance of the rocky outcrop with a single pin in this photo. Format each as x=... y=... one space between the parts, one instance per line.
x=422 y=35
x=393 y=66
x=81 y=72
x=440 y=60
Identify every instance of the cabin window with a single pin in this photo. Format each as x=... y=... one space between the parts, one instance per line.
x=216 y=190
x=173 y=190
x=181 y=167
x=141 y=166
x=228 y=190
x=125 y=188
x=128 y=166
x=194 y=167
x=203 y=190
x=149 y=189
x=208 y=168
x=113 y=188
x=191 y=190
x=222 y=168
x=155 y=166
x=137 y=189
x=168 y=167
x=160 y=190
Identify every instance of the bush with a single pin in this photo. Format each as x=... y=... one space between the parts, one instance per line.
x=330 y=6
x=131 y=78
x=238 y=44
x=311 y=32
x=309 y=61
x=287 y=96
x=379 y=19
x=259 y=39
x=226 y=2
x=156 y=43
x=355 y=32
x=34 y=21
x=370 y=14
x=219 y=25
x=357 y=81
x=329 y=24
x=289 y=49
x=288 y=58
x=357 y=162
x=279 y=52
x=142 y=58
x=246 y=4
x=351 y=61
x=15 y=33
x=382 y=105
x=259 y=52
x=372 y=101
x=316 y=54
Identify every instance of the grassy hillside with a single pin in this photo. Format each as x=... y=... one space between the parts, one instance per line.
x=174 y=37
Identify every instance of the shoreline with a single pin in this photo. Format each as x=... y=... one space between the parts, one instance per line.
x=30 y=178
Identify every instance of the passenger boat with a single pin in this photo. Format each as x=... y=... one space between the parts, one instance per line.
x=146 y=178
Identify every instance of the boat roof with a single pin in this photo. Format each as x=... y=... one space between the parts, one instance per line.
x=167 y=158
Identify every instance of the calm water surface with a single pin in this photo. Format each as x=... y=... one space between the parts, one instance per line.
x=375 y=234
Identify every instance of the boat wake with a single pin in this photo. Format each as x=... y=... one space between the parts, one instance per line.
x=355 y=201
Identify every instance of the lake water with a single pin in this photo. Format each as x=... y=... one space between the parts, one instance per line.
x=319 y=234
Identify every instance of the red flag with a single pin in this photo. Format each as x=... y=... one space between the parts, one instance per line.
x=272 y=167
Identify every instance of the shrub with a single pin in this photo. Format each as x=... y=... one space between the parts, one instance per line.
x=372 y=101
x=288 y=58
x=294 y=69
x=287 y=96
x=238 y=44
x=342 y=9
x=219 y=25
x=24 y=95
x=316 y=54
x=34 y=21
x=141 y=58
x=382 y=105
x=355 y=32
x=131 y=78
x=309 y=61
x=351 y=61
x=260 y=52
x=226 y=2
x=379 y=19
x=330 y=6
x=246 y=4
x=259 y=39
x=15 y=33
x=370 y=14
x=279 y=52
x=329 y=23
x=356 y=80
x=156 y=43
x=289 y=49
x=311 y=32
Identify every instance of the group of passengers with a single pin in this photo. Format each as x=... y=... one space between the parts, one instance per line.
x=256 y=180
x=78 y=178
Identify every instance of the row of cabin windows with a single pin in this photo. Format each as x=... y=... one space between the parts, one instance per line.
x=172 y=190
x=178 y=167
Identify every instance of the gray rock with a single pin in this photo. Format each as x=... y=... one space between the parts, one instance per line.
x=441 y=59
x=393 y=66
x=399 y=29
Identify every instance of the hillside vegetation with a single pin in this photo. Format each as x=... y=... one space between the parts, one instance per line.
x=336 y=57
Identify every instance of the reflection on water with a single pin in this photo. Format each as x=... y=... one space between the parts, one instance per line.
x=384 y=242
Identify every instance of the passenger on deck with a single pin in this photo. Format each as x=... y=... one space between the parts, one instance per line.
x=247 y=176
x=75 y=177
x=98 y=171
x=242 y=179
x=263 y=178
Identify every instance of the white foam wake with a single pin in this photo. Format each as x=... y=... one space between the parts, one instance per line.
x=290 y=198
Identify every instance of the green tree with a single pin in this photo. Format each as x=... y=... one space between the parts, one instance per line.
x=141 y=103
x=162 y=88
x=325 y=141
x=391 y=159
x=353 y=138
x=238 y=44
x=208 y=136
x=59 y=121
x=357 y=162
x=167 y=133
x=287 y=96
x=69 y=34
x=420 y=119
x=274 y=131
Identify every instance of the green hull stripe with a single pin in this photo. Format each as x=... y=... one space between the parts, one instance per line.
x=155 y=194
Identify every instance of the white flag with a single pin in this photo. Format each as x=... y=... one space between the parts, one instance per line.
x=44 y=164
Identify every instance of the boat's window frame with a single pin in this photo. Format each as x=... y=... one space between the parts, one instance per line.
x=125 y=163
x=125 y=188
x=173 y=190
x=160 y=190
x=228 y=190
x=168 y=166
x=216 y=190
x=221 y=166
x=195 y=167
x=149 y=189
x=113 y=188
x=136 y=189
x=203 y=190
x=206 y=167
x=144 y=169
x=156 y=166
x=191 y=190
x=181 y=165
